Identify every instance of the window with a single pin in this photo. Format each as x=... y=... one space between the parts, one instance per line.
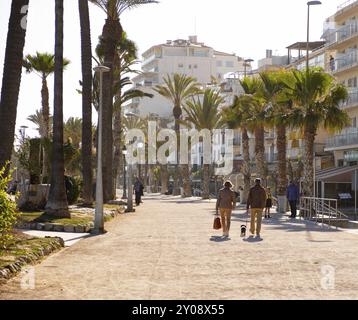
x=180 y=65
x=354 y=122
x=352 y=82
x=189 y=66
x=219 y=63
x=195 y=66
x=229 y=64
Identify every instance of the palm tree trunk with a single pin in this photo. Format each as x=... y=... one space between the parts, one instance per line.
x=57 y=201
x=308 y=162
x=185 y=173
x=246 y=168
x=117 y=158
x=112 y=31
x=86 y=49
x=282 y=168
x=46 y=119
x=260 y=153
x=164 y=178
x=11 y=79
x=206 y=181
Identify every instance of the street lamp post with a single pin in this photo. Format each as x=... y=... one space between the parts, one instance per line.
x=99 y=218
x=309 y=4
x=247 y=63
x=124 y=152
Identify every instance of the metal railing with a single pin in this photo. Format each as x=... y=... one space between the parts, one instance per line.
x=342 y=140
x=352 y=99
x=346 y=61
x=320 y=210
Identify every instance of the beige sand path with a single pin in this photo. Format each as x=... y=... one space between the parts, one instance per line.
x=168 y=250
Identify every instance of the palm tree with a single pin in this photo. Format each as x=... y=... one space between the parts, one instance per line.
x=37 y=119
x=237 y=117
x=57 y=201
x=317 y=99
x=11 y=78
x=279 y=116
x=43 y=65
x=86 y=49
x=111 y=36
x=257 y=122
x=205 y=114
x=73 y=129
x=178 y=89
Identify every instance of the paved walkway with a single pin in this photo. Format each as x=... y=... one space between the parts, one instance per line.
x=168 y=250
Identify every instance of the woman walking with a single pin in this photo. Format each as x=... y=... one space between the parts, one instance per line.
x=268 y=204
x=226 y=202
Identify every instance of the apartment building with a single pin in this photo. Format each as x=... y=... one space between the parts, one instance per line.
x=188 y=57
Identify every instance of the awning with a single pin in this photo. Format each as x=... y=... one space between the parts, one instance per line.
x=337 y=175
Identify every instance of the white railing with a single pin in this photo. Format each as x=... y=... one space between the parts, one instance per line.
x=320 y=210
x=346 y=61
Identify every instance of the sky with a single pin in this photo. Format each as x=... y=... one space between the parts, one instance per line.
x=246 y=28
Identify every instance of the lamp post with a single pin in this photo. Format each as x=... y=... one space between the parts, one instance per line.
x=99 y=219
x=124 y=152
x=247 y=63
x=309 y=4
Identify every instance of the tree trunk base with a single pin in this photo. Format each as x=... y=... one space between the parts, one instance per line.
x=282 y=204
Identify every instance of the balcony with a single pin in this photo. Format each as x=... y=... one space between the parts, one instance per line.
x=342 y=34
x=342 y=141
x=352 y=99
x=346 y=61
x=271 y=157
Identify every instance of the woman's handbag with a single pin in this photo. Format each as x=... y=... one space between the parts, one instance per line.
x=217 y=223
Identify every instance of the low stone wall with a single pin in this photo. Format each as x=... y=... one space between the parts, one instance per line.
x=31 y=258
x=83 y=228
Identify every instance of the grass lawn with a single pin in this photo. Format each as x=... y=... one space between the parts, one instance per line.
x=76 y=218
x=21 y=245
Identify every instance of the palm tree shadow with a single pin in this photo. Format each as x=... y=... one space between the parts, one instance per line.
x=219 y=239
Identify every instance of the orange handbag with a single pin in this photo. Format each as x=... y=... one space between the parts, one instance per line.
x=217 y=224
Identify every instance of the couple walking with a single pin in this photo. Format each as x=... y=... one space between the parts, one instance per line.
x=226 y=202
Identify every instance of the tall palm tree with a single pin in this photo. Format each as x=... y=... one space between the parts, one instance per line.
x=279 y=116
x=317 y=99
x=237 y=117
x=57 y=201
x=178 y=89
x=205 y=114
x=111 y=36
x=86 y=50
x=12 y=78
x=43 y=65
x=257 y=122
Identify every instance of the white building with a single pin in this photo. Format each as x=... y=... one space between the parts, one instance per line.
x=180 y=56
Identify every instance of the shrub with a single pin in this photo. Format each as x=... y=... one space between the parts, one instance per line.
x=8 y=213
x=73 y=189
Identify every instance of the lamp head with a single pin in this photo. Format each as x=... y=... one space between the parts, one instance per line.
x=102 y=69
x=314 y=3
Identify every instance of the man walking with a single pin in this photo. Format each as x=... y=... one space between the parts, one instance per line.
x=257 y=202
x=226 y=202
x=293 y=195
x=138 y=189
